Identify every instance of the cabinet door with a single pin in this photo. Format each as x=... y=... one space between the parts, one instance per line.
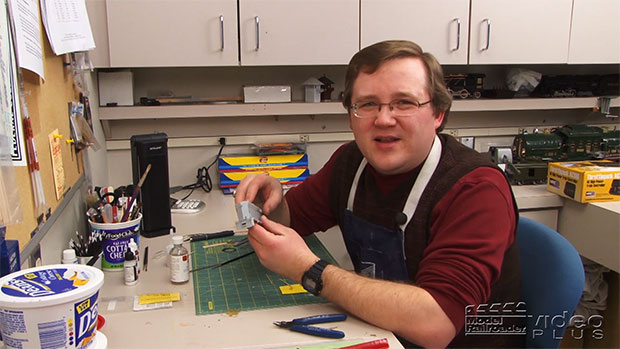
x=595 y=32
x=149 y=33
x=100 y=56
x=298 y=32
x=440 y=27
x=514 y=32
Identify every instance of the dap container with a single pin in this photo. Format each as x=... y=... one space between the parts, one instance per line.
x=53 y=306
x=116 y=237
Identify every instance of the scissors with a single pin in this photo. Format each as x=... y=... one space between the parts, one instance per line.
x=301 y=325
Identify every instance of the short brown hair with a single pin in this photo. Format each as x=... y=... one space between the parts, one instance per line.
x=370 y=58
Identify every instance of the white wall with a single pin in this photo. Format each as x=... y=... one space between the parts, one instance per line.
x=96 y=162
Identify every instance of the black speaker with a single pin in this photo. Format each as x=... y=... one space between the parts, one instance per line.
x=155 y=193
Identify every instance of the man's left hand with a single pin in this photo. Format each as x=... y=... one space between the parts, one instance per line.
x=281 y=249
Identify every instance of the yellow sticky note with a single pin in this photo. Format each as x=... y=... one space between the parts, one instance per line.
x=292 y=289
x=160 y=297
x=57 y=166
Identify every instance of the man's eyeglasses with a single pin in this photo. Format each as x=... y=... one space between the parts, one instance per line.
x=399 y=107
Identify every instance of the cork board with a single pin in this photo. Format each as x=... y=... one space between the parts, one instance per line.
x=47 y=102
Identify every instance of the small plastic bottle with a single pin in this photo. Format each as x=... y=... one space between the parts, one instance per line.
x=69 y=257
x=130 y=267
x=179 y=261
x=133 y=246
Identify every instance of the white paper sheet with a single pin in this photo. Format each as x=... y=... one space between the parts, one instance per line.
x=25 y=14
x=9 y=98
x=67 y=26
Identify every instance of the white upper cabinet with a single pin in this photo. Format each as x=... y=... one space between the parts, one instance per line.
x=298 y=32
x=100 y=56
x=519 y=32
x=440 y=27
x=211 y=33
x=595 y=32
x=151 y=33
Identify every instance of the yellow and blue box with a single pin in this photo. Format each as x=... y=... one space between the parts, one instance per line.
x=585 y=181
x=289 y=169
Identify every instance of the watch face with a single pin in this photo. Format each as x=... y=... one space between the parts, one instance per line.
x=310 y=283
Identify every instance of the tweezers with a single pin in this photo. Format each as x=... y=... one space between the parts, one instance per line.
x=217 y=265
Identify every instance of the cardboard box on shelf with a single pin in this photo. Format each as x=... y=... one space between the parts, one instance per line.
x=115 y=88
x=266 y=94
x=585 y=181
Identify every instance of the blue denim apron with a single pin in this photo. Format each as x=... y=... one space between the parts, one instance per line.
x=375 y=250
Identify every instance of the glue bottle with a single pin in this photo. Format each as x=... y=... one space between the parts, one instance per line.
x=179 y=261
x=130 y=267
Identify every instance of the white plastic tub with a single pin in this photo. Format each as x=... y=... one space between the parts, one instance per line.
x=53 y=306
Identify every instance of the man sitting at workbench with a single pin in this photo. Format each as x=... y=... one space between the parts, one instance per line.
x=429 y=224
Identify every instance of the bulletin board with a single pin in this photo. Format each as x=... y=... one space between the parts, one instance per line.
x=47 y=101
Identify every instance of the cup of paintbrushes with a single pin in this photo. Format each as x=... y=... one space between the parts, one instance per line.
x=115 y=239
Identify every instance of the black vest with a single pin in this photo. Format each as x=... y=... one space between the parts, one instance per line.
x=456 y=161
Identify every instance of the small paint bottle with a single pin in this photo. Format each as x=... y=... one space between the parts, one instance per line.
x=133 y=246
x=130 y=267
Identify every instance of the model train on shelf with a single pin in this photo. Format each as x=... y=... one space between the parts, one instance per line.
x=471 y=86
x=577 y=85
x=465 y=85
x=526 y=161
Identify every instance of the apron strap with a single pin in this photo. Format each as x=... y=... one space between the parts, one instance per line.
x=429 y=167
x=430 y=164
x=356 y=179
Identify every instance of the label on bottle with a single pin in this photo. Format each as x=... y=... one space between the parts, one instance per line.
x=179 y=268
x=131 y=273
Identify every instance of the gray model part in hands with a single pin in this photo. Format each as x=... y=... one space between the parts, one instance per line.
x=248 y=213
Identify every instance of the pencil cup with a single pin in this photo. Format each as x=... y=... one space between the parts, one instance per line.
x=116 y=237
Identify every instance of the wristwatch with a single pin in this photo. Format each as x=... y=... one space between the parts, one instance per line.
x=311 y=280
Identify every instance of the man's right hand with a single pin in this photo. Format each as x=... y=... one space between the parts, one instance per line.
x=271 y=194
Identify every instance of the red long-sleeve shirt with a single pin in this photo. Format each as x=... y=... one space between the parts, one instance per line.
x=471 y=228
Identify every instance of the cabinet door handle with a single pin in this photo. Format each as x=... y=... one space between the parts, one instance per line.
x=458 y=33
x=256 y=20
x=222 y=32
x=488 y=33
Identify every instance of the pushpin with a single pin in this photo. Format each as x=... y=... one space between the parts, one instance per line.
x=56 y=135
x=70 y=141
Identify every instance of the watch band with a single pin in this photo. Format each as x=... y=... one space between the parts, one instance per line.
x=311 y=280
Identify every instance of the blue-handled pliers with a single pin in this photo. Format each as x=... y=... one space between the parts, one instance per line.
x=301 y=325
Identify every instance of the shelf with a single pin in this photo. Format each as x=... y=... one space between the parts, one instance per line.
x=219 y=110
x=528 y=104
x=330 y=108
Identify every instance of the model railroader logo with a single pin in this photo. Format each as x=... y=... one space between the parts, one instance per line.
x=512 y=318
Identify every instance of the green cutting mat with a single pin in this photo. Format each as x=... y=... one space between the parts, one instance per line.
x=243 y=284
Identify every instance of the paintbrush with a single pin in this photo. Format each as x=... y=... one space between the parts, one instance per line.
x=135 y=193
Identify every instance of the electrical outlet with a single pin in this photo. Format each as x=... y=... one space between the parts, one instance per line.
x=468 y=141
x=304 y=138
x=453 y=133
